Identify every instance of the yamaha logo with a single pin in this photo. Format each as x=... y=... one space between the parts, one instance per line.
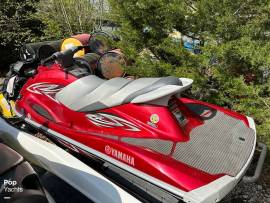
x=108 y=149
x=120 y=155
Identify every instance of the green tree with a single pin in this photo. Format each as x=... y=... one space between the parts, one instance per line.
x=234 y=33
x=68 y=17
x=17 y=26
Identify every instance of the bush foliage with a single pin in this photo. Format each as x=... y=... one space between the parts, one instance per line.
x=64 y=18
x=27 y=21
x=233 y=67
x=17 y=26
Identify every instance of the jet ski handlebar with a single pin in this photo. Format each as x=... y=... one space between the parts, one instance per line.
x=65 y=58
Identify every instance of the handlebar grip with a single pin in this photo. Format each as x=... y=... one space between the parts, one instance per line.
x=65 y=54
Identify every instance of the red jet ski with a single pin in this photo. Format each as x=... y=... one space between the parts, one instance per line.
x=148 y=137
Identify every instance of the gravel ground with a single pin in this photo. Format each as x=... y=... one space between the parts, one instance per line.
x=258 y=192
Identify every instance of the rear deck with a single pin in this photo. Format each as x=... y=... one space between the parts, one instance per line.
x=222 y=145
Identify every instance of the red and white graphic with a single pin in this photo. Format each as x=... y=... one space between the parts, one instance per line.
x=111 y=121
x=47 y=89
x=206 y=113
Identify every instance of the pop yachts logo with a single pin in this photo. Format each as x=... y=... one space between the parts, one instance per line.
x=10 y=186
x=47 y=89
x=120 y=155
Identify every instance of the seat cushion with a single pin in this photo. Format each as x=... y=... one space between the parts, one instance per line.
x=92 y=93
x=93 y=99
x=76 y=90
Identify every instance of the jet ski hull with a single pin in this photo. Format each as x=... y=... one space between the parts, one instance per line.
x=175 y=147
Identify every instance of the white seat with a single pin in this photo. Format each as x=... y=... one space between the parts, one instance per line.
x=92 y=93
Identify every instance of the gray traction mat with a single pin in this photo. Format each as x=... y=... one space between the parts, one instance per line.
x=222 y=145
x=158 y=145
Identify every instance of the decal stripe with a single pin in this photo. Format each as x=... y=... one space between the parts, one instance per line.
x=47 y=89
x=110 y=121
